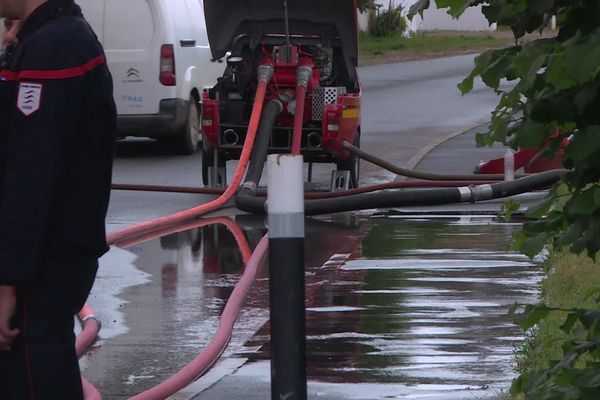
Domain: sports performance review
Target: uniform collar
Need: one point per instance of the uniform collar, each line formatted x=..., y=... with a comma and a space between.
x=50, y=9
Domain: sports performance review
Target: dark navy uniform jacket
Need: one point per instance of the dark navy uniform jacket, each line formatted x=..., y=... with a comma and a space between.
x=57, y=135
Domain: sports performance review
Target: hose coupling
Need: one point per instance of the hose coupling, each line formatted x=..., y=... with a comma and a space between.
x=303, y=75
x=251, y=186
x=264, y=73
x=85, y=320
x=482, y=192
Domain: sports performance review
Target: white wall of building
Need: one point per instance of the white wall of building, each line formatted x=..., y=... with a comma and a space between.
x=363, y=21
x=438, y=19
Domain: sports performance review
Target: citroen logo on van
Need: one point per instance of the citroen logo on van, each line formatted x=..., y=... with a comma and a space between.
x=133, y=76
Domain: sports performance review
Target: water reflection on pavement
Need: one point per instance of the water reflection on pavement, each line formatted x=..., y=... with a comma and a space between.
x=396, y=307
x=422, y=307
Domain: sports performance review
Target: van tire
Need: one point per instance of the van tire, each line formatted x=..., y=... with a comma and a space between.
x=188, y=137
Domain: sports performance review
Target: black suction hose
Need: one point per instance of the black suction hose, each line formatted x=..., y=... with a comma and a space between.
x=409, y=173
x=421, y=197
x=261, y=147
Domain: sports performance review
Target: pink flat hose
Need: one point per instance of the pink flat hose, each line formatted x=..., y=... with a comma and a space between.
x=91, y=325
x=218, y=344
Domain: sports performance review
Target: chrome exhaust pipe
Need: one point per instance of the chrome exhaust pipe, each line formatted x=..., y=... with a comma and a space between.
x=313, y=140
x=231, y=137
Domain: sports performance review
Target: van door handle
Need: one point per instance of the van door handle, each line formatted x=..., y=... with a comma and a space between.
x=187, y=43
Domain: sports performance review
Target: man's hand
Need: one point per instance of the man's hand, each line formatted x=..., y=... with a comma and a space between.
x=8, y=305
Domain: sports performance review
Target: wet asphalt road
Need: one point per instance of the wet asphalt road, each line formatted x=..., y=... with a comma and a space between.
x=402, y=306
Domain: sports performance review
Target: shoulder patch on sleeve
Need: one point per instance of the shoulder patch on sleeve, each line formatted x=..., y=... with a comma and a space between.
x=29, y=98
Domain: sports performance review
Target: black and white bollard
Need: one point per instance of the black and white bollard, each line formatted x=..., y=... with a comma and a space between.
x=285, y=204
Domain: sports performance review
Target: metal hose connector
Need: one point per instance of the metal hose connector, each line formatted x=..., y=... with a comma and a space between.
x=264, y=73
x=91, y=318
x=303, y=75
x=250, y=186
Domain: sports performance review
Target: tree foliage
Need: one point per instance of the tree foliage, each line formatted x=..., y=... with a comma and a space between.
x=546, y=86
x=389, y=22
x=366, y=5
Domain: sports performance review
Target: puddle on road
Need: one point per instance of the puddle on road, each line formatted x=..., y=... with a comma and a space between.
x=161, y=300
x=416, y=309
x=420, y=312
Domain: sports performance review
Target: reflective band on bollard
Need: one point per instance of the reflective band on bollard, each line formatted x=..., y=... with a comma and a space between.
x=286, y=276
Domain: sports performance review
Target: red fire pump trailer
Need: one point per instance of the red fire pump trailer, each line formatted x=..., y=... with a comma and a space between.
x=312, y=47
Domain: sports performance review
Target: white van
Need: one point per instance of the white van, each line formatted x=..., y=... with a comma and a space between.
x=158, y=54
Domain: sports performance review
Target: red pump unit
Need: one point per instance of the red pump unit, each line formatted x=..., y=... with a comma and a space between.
x=314, y=57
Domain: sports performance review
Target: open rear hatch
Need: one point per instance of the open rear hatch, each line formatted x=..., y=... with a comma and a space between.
x=331, y=22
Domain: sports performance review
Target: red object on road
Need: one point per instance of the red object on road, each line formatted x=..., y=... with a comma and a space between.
x=530, y=159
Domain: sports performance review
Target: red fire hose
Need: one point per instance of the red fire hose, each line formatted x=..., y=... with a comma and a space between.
x=234, y=228
x=89, y=391
x=218, y=344
x=90, y=328
x=141, y=231
x=91, y=325
x=85, y=339
x=149, y=226
x=298, y=120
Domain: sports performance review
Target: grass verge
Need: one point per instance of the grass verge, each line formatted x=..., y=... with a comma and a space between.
x=430, y=44
x=569, y=280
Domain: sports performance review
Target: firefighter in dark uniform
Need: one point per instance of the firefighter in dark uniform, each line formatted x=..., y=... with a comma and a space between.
x=57, y=136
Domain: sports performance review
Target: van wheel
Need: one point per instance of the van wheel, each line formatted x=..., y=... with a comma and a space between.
x=189, y=136
x=352, y=164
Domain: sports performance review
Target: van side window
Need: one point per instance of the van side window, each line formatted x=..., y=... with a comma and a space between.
x=121, y=33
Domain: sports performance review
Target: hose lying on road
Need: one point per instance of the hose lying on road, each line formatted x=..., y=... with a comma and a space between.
x=307, y=195
x=89, y=333
x=89, y=391
x=217, y=345
x=265, y=73
x=233, y=227
x=418, y=197
x=91, y=325
x=90, y=328
x=166, y=188
x=409, y=173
